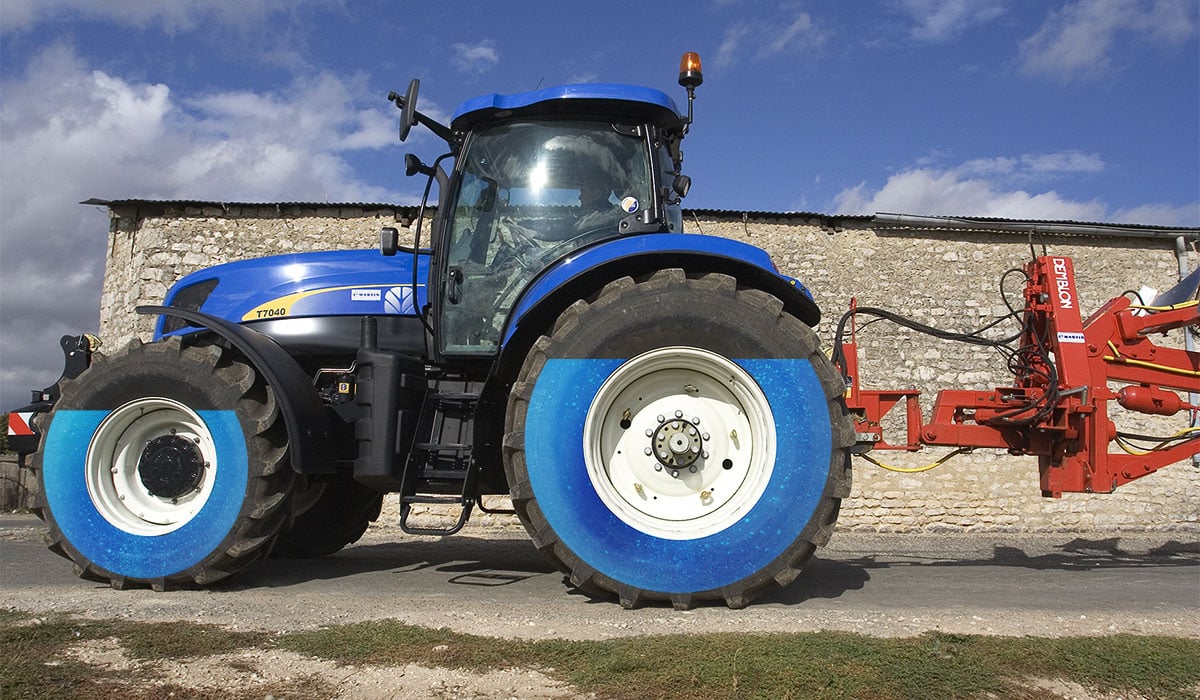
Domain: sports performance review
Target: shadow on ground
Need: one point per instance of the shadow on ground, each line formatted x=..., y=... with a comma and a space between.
x=492, y=563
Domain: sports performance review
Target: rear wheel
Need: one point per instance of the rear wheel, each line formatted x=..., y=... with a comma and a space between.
x=678, y=438
x=328, y=516
x=164, y=465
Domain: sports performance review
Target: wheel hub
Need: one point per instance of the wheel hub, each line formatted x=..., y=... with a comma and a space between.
x=170, y=466
x=677, y=443
x=151, y=466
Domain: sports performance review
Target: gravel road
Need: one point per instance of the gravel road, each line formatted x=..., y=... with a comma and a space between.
x=492, y=582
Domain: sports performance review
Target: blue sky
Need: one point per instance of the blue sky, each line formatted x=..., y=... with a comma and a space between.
x=1080, y=110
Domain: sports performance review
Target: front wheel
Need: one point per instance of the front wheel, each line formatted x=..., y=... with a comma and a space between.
x=164, y=465
x=678, y=438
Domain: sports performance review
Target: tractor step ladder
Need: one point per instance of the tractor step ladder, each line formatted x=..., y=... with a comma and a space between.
x=441, y=471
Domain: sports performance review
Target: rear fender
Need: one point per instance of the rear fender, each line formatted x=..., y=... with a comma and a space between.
x=308, y=427
x=584, y=272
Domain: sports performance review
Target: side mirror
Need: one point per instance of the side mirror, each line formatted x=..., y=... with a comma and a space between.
x=389, y=241
x=408, y=115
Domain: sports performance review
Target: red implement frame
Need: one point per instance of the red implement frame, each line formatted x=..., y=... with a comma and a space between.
x=1058, y=406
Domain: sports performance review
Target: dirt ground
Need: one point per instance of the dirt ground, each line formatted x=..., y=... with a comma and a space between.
x=490, y=582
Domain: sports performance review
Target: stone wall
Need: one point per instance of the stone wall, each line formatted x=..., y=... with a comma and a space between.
x=154, y=244
x=944, y=278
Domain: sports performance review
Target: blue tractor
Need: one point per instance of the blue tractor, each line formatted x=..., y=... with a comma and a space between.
x=656, y=404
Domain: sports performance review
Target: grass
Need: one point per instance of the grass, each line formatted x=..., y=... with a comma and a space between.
x=34, y=662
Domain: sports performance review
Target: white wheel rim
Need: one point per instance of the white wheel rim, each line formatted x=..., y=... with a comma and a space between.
x=119, y=464
x=679, y=443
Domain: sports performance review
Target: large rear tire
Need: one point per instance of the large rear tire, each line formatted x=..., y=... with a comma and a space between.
x=164, y=465
x=328, y=516
x=678, y=438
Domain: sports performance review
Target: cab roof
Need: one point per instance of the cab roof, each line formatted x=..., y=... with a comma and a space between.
x=609, y=100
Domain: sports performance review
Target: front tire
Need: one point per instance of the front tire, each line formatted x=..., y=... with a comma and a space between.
x=164, y=465
x=678, y=438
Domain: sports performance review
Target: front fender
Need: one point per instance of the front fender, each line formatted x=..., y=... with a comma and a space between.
x=308, y=428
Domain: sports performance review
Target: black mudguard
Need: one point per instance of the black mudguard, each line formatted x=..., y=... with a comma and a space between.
x=309, y=432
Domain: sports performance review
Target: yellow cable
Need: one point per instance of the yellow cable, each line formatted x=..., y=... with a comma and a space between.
x=1152, y=365
x=1160, y=446
x=1184, y=305
x=915, y=470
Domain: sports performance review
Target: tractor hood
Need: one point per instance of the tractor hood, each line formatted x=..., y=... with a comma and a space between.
x=328, y=283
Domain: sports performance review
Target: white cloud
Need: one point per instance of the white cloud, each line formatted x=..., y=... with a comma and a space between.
x=731, y=45
x=1079, y=40
x=69, y=133
x=787, y=35
x=1063, y=162
x=475, y=58
x=1003, y=187
x=801, y=33
x=941, y=20
x=170, y=15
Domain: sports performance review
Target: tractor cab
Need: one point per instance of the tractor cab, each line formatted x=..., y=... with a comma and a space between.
x=536, y=177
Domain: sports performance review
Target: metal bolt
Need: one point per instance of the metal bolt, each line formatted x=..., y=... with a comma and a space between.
x=649, y=432
x=658, y=467
x=705, y=436
x=679, y=414
x=649, y=451
x=661, y=419
x=674, y=474
x=638, y=487
x=692, y=469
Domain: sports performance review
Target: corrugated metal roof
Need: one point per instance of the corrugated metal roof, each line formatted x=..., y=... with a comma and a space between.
x=225, y=205
x=1026, y=226
x=882, y=220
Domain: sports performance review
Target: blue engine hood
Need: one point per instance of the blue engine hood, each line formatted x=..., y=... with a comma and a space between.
x=327, y=283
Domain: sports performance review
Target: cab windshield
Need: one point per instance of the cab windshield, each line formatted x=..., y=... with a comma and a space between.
x=529, y=193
